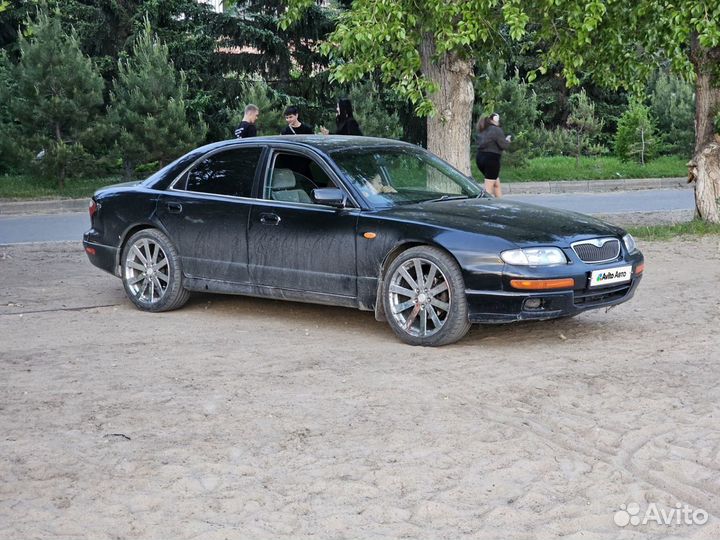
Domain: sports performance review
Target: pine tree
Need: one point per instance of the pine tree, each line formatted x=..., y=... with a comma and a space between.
x=58, y=95
x=148, y=109
x=582, y=122
x=9, y=129
x=635, y=138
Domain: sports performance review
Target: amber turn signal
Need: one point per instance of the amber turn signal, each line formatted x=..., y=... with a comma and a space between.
x=542, y=284
x=639, y=269
x=369, y=235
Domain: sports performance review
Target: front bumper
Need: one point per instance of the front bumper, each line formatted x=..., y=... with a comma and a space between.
x=490, y=307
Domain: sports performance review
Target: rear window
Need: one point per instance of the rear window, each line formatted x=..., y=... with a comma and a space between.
x=228, y=172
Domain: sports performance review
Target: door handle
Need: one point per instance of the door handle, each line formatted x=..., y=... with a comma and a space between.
x=173, y=207
x=269, y=219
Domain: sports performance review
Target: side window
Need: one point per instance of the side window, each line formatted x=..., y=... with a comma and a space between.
x=293, y=179
x=230, y=172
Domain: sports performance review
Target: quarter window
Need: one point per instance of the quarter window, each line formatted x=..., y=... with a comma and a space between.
x=230, y=172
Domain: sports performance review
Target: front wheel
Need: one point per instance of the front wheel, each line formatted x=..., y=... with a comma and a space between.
x=424, y=296
x=151, y=272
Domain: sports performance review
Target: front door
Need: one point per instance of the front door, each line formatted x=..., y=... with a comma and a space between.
x=206, y=214
x=294, y=243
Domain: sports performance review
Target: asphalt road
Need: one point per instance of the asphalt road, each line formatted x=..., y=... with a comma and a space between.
x=649, y=200
x=70, y=226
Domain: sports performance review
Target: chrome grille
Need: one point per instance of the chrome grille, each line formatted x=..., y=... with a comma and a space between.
x=597, y=250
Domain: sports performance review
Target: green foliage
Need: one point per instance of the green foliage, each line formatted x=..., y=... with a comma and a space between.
x=716, y=122
x=672, y=104
x=387, y=37
x=11, y=153
x=516, y=103
x=148, y=112
x=583, y=123
x=374, y=119
x=636, y=135
x=58, y=94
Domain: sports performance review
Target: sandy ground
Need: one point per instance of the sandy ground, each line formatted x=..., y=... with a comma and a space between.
x=238, y=418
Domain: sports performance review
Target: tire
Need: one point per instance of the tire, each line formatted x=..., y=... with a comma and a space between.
x=432, y=313
x=151, y=272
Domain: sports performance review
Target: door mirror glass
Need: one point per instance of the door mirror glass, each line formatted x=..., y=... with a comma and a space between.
x=330, y=197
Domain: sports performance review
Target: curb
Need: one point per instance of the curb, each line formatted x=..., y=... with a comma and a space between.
x=58, y=206
x=51, y=206
x=593, y=186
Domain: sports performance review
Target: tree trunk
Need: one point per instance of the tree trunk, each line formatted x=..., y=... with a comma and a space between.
x=705, y=169
x=705, y=165
x=449, y=131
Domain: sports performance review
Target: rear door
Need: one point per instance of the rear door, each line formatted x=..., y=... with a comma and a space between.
x=206, y=212
x=294, y=243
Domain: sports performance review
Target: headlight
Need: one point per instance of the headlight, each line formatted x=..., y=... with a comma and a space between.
x=630, y=243
x=543, y=256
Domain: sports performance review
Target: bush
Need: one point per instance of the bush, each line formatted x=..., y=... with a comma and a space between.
x=636, y=135
x=553, y=142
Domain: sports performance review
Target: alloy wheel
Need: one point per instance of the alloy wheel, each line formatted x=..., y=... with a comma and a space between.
x=419, y=297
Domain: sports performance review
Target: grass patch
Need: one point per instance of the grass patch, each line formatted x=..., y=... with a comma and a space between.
x=668, y=232
x=599, y=168
x=29, y=187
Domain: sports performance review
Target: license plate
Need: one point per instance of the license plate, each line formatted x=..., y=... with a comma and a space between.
x=600, y=278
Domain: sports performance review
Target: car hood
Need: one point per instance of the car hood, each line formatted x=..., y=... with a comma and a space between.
x=520, y=223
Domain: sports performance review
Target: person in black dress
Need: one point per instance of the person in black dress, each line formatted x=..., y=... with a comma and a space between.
x=346, y=123
x=295, y=126
x=492, y=141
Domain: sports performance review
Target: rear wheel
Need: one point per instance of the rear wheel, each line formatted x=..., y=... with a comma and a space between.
x=151, y=272
x=424, y=296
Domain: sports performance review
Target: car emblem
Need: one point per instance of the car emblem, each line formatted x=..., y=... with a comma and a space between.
x=598, y=242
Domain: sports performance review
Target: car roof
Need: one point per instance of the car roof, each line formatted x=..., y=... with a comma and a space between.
x=324, y=143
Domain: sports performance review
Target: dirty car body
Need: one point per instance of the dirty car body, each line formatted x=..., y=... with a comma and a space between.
x=360, y=222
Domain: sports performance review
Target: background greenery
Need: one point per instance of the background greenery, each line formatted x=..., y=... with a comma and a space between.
x=198, y=69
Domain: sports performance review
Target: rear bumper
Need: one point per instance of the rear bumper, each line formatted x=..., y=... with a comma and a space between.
x=491, y=307
x=102, y=256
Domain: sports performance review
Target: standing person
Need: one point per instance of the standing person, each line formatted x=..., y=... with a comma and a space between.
x=492, y=141
x=295, y=126
x=247, y=127
x=346, y=123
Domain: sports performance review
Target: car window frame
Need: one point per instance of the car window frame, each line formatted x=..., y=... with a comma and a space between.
x=271, y=157
x=253, y=189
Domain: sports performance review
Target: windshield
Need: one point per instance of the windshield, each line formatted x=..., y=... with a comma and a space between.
x=392, y=176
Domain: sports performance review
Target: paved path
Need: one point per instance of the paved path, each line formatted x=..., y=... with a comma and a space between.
x=614, y=206
x=43, y=228
x=656, y=200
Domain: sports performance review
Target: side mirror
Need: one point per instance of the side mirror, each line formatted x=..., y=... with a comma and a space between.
x=330, y=197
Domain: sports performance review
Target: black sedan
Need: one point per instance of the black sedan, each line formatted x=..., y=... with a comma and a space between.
x=360, y=222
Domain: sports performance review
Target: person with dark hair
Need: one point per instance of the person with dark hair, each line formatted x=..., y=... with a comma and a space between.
x=492, y=141
x=295, y=126
x=346, y=123
x=247, y=127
